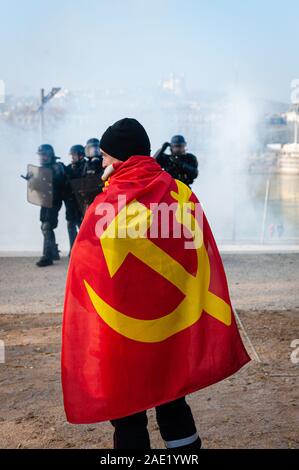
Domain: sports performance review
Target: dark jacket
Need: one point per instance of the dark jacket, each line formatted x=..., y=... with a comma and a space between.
x=181, y=167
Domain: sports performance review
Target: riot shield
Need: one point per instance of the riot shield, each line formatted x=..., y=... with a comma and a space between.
x=39, y=186
x=85, y=189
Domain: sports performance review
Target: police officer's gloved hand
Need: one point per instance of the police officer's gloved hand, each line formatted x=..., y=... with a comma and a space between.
x=174, y=161
x=165, y=145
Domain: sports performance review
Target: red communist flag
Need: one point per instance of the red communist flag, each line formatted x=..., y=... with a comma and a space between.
x=147, y=314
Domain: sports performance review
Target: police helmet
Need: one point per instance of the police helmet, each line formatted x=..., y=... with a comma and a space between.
x=46, y=154
x=178, y=140
x=92, y=148
x=77, y=150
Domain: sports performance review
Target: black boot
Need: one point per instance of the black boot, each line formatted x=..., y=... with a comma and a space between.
x=55, y=253
x=72, y=231
x=43, y=262
x=49, y=247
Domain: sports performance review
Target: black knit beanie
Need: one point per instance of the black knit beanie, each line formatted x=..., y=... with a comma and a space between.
x=125, y=138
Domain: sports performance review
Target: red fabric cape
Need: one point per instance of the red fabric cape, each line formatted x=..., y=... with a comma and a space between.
x=105, y=373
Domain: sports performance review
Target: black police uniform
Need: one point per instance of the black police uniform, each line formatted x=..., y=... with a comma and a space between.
x=181, y=167
x=92, y=169
x=93, y=166
x=49, y=216
x=73, y=213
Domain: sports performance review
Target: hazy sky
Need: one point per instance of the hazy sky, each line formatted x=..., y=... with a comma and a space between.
x=126, y=43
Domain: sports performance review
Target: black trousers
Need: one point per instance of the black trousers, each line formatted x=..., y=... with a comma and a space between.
x=176, y=425
x=74, y=219
x=49, y=220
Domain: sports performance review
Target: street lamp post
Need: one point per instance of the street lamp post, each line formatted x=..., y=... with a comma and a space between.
x=44, y=99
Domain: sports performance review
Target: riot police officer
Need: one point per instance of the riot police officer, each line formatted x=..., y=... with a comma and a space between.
x=90, y=184
x=179, y=164
x=73, y=212
x=49, y=216
x=93, y=154
x=84, y=183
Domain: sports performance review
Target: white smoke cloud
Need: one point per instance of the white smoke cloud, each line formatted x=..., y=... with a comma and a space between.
x=223, y=183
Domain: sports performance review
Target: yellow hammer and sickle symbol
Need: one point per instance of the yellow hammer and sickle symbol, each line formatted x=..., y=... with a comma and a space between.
x=195, y=288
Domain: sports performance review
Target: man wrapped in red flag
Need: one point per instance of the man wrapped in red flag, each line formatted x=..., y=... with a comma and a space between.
x=147, y=315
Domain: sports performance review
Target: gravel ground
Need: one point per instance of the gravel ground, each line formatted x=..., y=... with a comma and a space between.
x=256, y=281
x=256, y=408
